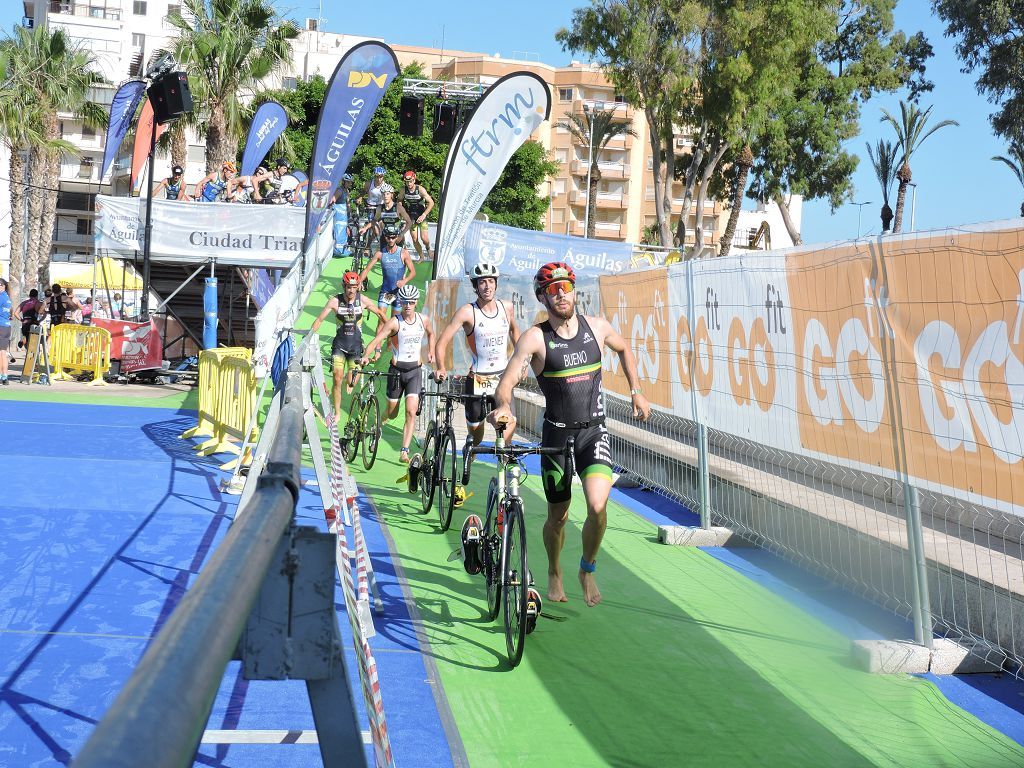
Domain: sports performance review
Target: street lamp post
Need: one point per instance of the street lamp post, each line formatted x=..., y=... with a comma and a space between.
x=860, y=209
x=590, y=161
x=913, y=206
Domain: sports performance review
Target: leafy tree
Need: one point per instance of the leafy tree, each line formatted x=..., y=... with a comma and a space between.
x=514, y=200
x=990, y=41
x=647, y=47
x=47, y=74
x=1015, y=162
x=227, y=47
x=911, y=133
x=802, y=149
x=595, y=130
x=883, y=160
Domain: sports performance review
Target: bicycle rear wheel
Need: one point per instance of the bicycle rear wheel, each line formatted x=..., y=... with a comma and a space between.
x=492, y=552
x=371, y=430
x=427, y=484
x=516, y=580
x=446, y=453
x=351, y=432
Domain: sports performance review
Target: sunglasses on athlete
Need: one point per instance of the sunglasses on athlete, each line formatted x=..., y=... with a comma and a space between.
x=565, y=286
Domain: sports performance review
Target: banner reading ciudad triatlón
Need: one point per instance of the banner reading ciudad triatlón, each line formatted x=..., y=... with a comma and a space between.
x=356, y=88
x=268, y=124
x=122, y=109
x=506, y=115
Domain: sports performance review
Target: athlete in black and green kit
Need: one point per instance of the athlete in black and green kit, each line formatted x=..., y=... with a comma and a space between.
x=565, y=353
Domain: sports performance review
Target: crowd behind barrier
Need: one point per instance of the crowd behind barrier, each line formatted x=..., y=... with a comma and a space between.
x=80, y=350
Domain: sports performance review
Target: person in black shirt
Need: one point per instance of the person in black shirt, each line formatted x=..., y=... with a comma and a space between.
x=565, y=354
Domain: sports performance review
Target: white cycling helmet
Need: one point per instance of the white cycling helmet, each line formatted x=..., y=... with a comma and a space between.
x=386, y=188
x=483, y=269
x=409, y=293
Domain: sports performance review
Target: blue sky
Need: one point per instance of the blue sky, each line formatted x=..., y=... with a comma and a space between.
x=958, y=183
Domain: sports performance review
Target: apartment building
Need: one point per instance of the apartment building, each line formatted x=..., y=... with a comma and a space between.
x=122, y=35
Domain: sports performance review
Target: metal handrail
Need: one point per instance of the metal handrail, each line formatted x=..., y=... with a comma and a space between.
x=163, y=709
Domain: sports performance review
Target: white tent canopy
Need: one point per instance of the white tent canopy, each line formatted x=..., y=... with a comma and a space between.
x=268, y=236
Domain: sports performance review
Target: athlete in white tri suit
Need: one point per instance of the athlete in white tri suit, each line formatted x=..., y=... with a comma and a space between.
x=405, y=376
x=489, y=327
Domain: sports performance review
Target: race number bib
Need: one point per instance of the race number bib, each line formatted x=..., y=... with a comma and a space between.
x=484, y=385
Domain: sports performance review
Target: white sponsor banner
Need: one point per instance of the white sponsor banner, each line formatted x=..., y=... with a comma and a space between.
x=525, y=250
x=508, y=112
x=247, y=235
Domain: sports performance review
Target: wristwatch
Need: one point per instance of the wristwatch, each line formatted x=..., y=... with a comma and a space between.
x=635, y=392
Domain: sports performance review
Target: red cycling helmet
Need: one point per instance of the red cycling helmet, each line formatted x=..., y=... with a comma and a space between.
x=350, y=278
x=551, y=273
x=409, y=175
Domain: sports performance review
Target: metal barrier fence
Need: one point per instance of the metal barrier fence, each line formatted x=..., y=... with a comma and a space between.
x=227, y=399
x=81, y=350
x=858, y=410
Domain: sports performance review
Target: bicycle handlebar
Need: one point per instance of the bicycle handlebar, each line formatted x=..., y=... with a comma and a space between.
x=523, y=450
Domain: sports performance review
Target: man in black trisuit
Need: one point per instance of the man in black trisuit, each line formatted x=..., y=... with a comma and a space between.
x=565, y=353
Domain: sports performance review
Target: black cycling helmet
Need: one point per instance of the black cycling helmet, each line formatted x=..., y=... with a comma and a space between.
x=282, y=162
x=177, y=170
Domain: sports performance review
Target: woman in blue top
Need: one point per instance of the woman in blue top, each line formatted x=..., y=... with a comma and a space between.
x=5, y=330
x=397, y=268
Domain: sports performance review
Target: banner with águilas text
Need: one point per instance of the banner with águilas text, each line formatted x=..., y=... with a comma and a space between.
x=508, y=112
x=353, y=94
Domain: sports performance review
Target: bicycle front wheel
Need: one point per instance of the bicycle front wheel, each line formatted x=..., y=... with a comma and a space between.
x=371, y=431
x=351, y=432
x=517, y=577
x=492, y=552
x=446, y=479
x=427, y=484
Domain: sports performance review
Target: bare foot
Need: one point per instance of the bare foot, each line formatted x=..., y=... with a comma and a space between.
x=591, y=594
x=556, y=592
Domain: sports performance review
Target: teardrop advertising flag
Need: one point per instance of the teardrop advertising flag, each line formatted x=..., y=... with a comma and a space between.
x=268, y=124
x=143, y=139
x=122, y=109
x=508, y=112
x=353, y=94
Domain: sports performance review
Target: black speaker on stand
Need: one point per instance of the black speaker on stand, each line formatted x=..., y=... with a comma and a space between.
x=170, y=97
x=446, y=123
x=410, y=116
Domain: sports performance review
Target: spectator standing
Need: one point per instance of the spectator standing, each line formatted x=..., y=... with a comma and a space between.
x=29, y=312
x=5, y=330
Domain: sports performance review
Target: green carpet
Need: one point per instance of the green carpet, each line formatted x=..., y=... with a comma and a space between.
x=112, y=394
x=684, y=662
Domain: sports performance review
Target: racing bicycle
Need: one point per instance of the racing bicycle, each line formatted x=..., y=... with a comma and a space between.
x=498, y=545
x=363, y=425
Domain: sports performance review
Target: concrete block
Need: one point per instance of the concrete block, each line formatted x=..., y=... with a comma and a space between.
x=950, y=657
x=890, y=657
x=685, y=536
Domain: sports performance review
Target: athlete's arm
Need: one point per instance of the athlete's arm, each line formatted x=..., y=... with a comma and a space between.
x=202, y=183
x=513, y=329
x=530, y=345
x=387, y=329
x=463, y=316
x=373, y=260
x=614, y=341
x=332, y=304
x=430, y=339
x=372, y=307
x=430, y=204
x=410, y=269
x=160, y=187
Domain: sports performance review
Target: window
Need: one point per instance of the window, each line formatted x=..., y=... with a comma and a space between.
x=562, y=155
x=620, y=99
x=559, y=186
x=196, y=154
x=85, y=168
x=565, y=94
x=557, y=215
x=83, y=226
x=139, y=7
x=88, y=132
x=173, y=9
x=138, y=40
x=561, y=129
x=289, y=83
x=650, y=163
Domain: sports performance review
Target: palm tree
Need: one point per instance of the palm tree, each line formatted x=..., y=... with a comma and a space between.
x=910, y=133
x=1015, y=162
x=600, y=127
x=883, y=160
x=227, y=47
x=51, y=75
x=744, y=161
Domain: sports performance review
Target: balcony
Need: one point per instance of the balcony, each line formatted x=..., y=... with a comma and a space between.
x=609, y=171
x=613, y=201
x=109, y=10
x=609, y=231
x=67, y=236
x=619, y=109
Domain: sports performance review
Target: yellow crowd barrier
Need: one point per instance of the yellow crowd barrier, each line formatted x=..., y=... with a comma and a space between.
x=80, y=349
x=227, y=395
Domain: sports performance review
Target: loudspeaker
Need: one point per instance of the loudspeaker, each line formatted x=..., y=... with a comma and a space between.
x=410, y=116
x=170, y=97
x=446, y=125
